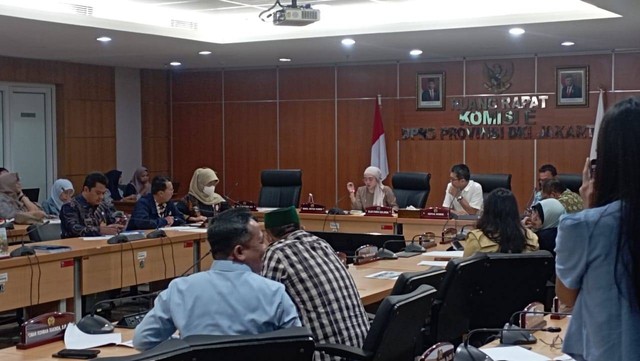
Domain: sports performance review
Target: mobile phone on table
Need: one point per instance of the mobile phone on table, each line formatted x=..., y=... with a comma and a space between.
x=77, y=354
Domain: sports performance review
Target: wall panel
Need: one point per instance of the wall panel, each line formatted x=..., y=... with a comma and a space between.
x=307, y=83
x=522, y=77
x=155, y=121
x=367, y=81
x=196, y=86
x=241, y=85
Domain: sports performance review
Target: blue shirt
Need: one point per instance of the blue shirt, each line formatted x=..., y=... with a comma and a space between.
x=606, y=322
x=229, y=299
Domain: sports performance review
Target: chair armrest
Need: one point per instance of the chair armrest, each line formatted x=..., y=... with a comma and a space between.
x=350, y=352
x=371, y=316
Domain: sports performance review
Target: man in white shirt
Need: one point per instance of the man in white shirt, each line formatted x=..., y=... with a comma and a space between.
x=463, y=196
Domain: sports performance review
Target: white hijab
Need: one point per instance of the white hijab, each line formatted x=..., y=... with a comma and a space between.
x=58, y=187
x=378, y=193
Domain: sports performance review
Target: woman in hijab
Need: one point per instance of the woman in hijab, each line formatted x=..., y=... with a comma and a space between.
x=202, y=201
x=14, y=204
x=499, y=228
x=61, y=193
x=139, y=184
x=373, y=193
x=544, y=220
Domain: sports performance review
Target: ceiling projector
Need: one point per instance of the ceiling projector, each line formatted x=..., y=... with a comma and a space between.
x=296, y=16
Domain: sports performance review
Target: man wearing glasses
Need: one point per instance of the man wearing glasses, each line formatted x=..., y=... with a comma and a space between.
x=463, y=195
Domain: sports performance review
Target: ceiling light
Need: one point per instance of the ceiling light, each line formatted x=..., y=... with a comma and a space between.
x=284, y=60
x=175, y=63
x=568, y=43
x=415, y=52
x=516, y=31
x=348, y=42
x=104, y=39
x=204, y=52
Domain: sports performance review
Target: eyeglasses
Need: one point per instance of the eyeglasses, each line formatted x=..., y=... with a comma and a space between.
x=556, y=343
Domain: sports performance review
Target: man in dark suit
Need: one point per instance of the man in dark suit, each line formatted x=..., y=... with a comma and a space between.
x=156, y=210
x=431, y=94
x=569, y=90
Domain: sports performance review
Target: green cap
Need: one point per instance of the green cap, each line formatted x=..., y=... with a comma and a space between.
x=281, y=217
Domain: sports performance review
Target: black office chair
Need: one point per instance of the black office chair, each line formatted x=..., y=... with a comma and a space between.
x=280, y=188
x=291, y=344
x=486, y=289
x=411, y=189
x=491, y=181
x=410, y=281
x=44, y=232
x=573, y=181
x=395, y=329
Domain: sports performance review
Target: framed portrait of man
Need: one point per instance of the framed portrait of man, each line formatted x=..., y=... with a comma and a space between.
x=430, y=91
x=572, y=86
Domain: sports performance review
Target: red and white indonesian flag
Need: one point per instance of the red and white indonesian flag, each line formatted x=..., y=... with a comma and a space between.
x=378, y=145
x=596, y=127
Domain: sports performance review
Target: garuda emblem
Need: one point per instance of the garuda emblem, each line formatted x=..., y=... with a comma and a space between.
x=498, y=76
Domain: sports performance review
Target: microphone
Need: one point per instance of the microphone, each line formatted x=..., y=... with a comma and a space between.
x=384, y=253
x=466, y=352
x=193, y=265
x=413, y=247
x=228, y=198
x=26, y=250
x=523, y=337
x=95, y=324
x=334, y=211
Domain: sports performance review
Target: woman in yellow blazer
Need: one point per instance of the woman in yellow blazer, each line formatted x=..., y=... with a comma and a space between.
x=499, y=228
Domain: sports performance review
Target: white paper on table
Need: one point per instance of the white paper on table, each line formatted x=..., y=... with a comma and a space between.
x=180, y=228
x=444, y=254
x=265, y=209
x=76, y=339
x=96, y=238
x=385, y=275
x=192, y=229
x=564, y=357
x=513, y=353
x=54, y=221
x=433, y=263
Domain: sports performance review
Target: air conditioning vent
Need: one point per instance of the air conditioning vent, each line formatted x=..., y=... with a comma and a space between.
x=84, y=10
x=182, y=24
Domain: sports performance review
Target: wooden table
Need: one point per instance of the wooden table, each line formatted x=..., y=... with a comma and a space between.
x=17, y=234
x=416, y=226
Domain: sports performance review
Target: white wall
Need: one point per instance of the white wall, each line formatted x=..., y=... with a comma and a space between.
x=128, y=121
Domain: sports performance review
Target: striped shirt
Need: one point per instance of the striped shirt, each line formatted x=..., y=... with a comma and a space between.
x=321, y=287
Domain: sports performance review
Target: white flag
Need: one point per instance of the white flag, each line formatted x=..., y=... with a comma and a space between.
x=596, y=127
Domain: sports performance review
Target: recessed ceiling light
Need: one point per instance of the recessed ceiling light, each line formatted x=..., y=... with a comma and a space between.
x=104, y=39
x=348, y=42
x=415, y=52
x=204, y=52
x=175, y=63
x=516, y=31
x=284, y=60
x=568, y=43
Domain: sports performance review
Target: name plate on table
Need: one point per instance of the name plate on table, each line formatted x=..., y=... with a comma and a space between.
x=378, y=211
x=247, y=204
x=409, y=213
x=435, y=213
x=44, y=329
x=312, y=208
x=366, y=254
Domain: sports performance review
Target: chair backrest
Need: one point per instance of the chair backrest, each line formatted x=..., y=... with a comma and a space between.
x=291, y=344
x=397, y=325
x=572, y=181
x=410, y=281
x=32, y=193
x=280, y=188
x=491, y=181
x=486, y=289
x=44, y=232
x=411, y=189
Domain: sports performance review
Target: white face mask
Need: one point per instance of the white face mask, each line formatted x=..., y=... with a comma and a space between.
x=209, y=190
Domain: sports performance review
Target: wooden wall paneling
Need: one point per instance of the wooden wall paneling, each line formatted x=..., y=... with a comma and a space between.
x=522, y=80
x=612, y=99
x=197, y=139
x=367, y=81
x=87, y=154
x=504, y=156
x=567, y=155
x=155, y=121
x=155, y=156
x=27, y=70
x=250, y=146
x=86, y=118
x=196, y=86
x=89, y=81
x=78, y=181
x=627, y=72
x=307, y=142
x=154, y=85
x=240, y=85
x=409, y=71
x=435, y=157
x=306, y=83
